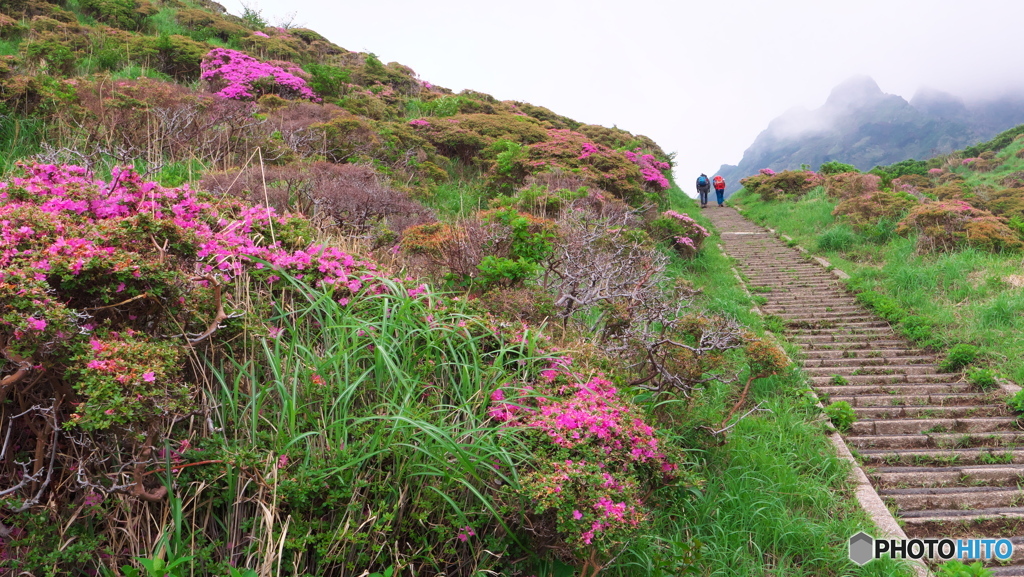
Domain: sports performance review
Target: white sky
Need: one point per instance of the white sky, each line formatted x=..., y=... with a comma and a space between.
x=700, y=77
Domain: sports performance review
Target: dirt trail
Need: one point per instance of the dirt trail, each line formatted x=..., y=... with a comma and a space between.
x=946, y=458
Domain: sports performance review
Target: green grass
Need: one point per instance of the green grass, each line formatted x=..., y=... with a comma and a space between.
x=165, y=22
x=395, y=435
x=19, y=137
x=133, y=71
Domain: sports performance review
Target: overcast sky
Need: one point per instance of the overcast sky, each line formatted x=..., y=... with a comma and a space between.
x=702, y=78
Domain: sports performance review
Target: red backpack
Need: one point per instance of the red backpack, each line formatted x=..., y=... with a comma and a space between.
x=719, y=182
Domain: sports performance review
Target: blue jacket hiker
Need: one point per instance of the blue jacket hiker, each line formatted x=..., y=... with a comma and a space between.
x=703, y=188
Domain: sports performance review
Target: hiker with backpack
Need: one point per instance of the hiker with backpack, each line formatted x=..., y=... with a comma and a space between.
x=719, y=189
x=703, y=188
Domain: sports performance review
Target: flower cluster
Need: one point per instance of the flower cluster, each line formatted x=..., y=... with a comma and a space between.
x=602, y=454
x=419, y=122
x=935, y=171
x=588, y=149
x=93, y=272
x=242, y=77
x=685, y=234
x=767, y=172
x=651, y=168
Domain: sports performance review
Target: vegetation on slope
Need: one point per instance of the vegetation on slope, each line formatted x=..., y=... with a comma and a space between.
x=338, y=320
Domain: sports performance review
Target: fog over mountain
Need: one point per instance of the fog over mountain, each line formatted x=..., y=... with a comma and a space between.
x=861, y=125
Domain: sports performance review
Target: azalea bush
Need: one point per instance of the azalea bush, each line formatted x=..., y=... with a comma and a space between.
x=848, y=184
x=681, y=231
x=866, y=210
x=238, y=76
x=599, y=166
x=947, y=225
x=105, y=287
x=777, y=185
x=595, y=460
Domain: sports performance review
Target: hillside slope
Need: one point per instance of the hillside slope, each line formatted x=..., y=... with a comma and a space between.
x=269, y=306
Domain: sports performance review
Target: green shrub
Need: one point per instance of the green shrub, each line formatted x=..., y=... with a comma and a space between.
x=1008, y=202
x=465, y=136
x=982, y=378
x=836, y=167
x=850, y=184
x=1016, y=402
x=863, y=211
x=776, y=186
x=950, y=224
x=957, y=569
x=958, y=357
x=842, y=415
x=328, y=81
x=496, y=271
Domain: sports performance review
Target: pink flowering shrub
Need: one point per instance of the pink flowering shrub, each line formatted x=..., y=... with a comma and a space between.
x=238, y=76
x=97, y=277
x=595, y=458
x=566, y=151
x=682, y=232
x=651, y=168
x=767, y=172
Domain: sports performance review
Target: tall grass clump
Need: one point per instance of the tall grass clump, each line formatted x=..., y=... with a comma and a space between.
x=838, y=238
x=371, y=417
x=20, y=137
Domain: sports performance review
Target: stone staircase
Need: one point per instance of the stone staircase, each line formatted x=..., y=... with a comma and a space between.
x=946, y=458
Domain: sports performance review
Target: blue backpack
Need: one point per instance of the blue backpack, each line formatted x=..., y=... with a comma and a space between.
x=702, y=180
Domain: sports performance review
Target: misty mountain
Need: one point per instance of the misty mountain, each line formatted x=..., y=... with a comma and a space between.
x=863, y=126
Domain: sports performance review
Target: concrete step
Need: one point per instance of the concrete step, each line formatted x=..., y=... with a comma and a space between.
x=992, y=440
x=960, y=498
x=969, y=476
x=910, y=402
x=873, y=369
x=963, y=514
x=936, y=457
x=921, y=426
x=881, y=329
x=899, y=389
x=795, y=320
x=931, y=411
x=867, y=361
x=812, y=354
x=887, y=379
x=845, y=342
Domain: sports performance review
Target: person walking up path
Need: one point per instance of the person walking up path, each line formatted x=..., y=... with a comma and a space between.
x=719, y=189
x=703, y=188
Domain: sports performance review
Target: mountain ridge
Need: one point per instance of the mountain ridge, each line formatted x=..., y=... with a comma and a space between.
x=859, y=124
